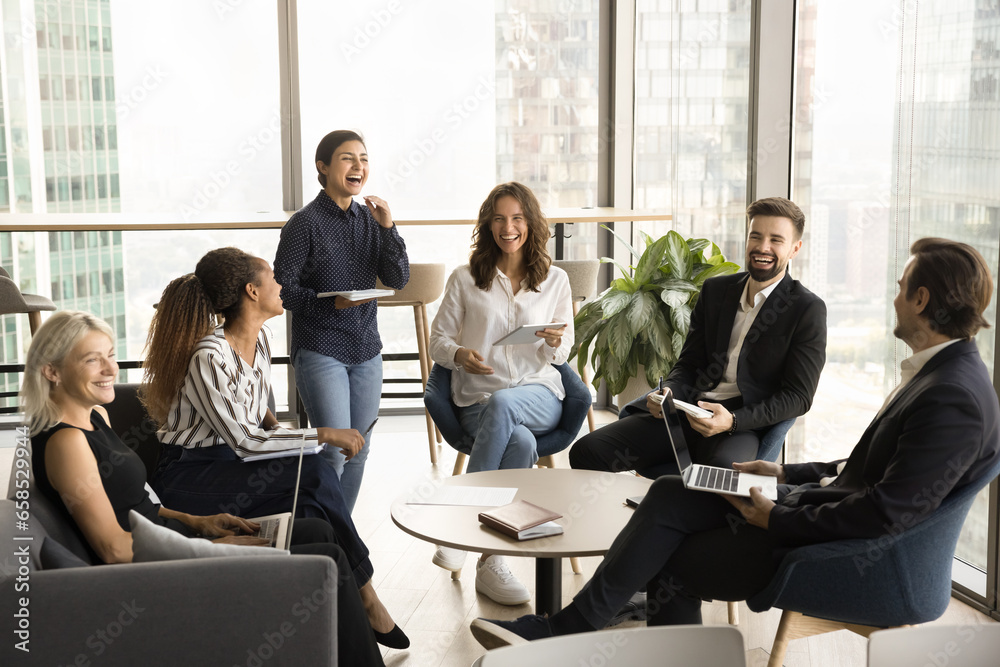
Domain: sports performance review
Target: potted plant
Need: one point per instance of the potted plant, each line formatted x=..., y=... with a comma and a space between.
x=638, y=325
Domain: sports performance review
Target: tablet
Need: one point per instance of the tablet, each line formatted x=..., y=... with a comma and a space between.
x=359, y=294
x=526, y=333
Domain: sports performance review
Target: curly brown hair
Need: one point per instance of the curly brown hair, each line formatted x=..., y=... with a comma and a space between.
x=185, y=314
x=485, y=251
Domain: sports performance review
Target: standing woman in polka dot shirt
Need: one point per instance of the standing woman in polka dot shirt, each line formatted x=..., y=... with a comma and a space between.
x=509, y=393
x=335, y=244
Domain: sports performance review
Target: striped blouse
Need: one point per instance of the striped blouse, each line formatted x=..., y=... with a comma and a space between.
x=224, y=399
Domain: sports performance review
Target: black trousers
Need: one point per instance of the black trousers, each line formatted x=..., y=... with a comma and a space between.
x=355, y=640
x=684, y=546
x=639, y=442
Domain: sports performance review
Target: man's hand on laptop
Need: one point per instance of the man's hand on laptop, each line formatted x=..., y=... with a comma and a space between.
x=220, y=525
x=720, y=421
x=756, y=510
x=768, y=468
x=348, y=440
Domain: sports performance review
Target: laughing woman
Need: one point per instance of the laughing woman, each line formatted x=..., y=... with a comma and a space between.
x=95, y=480
x=505, y=394
x=336, y=244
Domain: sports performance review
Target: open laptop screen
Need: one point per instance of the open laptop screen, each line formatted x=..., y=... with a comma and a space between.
x=676, y=434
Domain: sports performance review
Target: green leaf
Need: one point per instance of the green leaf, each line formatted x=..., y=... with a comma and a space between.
x=620, y=338
x=613, y=303
x=678, y=285
x=695, y=246
x=674, y=298
x=640, y=312
x=677, y=256
x=678, y=344
x=680, y=317
x=626, y=271
x=622, y=241
x=659, y=335
x=648, y=268
x=723, y=269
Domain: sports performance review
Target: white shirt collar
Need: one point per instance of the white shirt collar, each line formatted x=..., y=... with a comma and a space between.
x=911, y=365
x=761, y=295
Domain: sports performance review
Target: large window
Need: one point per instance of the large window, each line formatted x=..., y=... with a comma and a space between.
x=912, y=160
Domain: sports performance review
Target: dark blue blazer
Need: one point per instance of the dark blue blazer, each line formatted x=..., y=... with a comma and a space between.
x=938, y=434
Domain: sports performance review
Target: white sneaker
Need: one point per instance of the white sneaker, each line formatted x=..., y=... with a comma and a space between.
x=449, y=559
x=495, y=580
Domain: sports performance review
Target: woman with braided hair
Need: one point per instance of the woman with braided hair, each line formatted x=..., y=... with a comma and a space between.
x=206, y=386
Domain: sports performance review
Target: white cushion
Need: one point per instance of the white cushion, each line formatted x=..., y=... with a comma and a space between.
x=151, y=542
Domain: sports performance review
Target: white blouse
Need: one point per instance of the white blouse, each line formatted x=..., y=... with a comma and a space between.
x=224, y=399
x=472, y=318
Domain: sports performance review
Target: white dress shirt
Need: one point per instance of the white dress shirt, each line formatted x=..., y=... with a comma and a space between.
x=224, y=399
x=473, y=318
x=745, y=315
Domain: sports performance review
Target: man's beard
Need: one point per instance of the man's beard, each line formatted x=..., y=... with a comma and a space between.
x=763, y=274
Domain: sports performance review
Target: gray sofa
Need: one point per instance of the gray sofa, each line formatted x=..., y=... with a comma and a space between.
x=247, y=611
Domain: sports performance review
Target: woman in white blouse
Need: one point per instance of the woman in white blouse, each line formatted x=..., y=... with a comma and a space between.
x=506, y=394
x=206, y=386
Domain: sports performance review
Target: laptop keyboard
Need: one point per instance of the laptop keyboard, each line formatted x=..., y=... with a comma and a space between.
x=268, y=528
x=718, y=479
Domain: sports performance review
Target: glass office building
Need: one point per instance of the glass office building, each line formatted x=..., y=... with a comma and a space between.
x=59, y=154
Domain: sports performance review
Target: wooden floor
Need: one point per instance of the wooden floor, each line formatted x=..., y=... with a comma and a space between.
x=435, y=611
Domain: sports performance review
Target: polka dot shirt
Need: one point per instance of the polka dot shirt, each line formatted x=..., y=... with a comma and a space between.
x=324, y=249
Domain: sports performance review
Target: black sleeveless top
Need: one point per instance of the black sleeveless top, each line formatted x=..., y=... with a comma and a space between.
x=122, y=473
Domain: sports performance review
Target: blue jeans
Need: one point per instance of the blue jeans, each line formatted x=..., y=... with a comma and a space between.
x=339, y=395
x=505, y=426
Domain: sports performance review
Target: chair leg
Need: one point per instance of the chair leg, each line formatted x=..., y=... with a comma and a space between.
x=34, y=321
x=428, y=362
x=575, y=564
x=734, y=612
x=546, y=462
x=423, y=355
x=459, y=464
x=794, y=625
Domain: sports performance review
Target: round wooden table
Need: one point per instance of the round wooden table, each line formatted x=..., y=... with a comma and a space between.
x=592, y=505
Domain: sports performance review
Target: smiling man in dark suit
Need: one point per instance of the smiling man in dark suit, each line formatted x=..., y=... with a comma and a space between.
x=753, y=356
x=938, y=431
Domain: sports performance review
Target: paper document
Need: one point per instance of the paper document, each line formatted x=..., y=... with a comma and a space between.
x=480, y=496
x=264, y=456
x=359, y=294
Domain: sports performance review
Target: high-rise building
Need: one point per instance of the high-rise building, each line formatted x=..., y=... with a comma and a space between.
x=547, y=98
x=59, y=154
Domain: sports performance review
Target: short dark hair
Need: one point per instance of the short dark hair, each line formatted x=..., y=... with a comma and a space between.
x=329, y=144
x=778, y=207
x=959, y=282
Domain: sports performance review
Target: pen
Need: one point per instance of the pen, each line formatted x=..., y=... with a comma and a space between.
x=662, y=384
x=369, y=429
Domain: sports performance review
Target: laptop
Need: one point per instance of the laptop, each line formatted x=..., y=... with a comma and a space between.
x=711, y=478
x=278, y=527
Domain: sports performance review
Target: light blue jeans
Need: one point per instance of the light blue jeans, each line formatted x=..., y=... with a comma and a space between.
x=339, y=395
x=505, y=426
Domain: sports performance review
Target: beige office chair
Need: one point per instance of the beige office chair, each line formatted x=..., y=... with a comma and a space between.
x=582, y=275
x=12, y=300
x=425, y=286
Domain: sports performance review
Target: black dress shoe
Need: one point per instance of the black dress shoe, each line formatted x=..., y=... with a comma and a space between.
x=633, y=610
x=395, y=638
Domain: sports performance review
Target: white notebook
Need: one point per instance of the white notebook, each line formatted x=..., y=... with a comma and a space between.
x=359, y=294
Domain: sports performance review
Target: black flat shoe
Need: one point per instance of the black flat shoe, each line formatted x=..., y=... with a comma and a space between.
x=395, y=638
